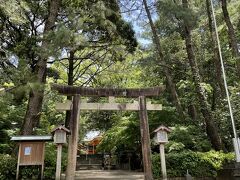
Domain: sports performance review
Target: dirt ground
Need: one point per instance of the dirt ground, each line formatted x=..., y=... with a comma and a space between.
x=108, y=175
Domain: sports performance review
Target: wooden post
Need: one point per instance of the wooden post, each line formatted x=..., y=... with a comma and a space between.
x=19, y=153
x=163, y=162
x=73, y=138
x=59, y=159
x=129, y=163
x=43, y=157
x=145, y=139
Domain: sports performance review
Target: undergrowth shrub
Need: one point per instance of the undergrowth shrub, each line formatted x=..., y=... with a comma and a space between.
x=198, y=164
x=8, y=166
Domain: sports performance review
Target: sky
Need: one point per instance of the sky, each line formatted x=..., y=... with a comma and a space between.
x=138, y=19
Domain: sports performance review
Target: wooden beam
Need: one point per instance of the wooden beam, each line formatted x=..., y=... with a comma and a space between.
x=105, y=92
x=145, y=139
x=108, y=106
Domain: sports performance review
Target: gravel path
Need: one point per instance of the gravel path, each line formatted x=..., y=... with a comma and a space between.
x=108, y=175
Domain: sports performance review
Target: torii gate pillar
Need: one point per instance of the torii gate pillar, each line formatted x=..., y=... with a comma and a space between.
x=145, y=139
x=73, y=138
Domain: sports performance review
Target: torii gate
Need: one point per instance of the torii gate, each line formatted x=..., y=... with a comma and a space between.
x=76, y=105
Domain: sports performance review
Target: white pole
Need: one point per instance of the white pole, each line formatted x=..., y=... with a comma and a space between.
x=235, y=139
x=59, y=158
x=163, y=162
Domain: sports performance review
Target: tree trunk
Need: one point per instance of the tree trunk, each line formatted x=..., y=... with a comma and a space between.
x=170, y=82
x=192, y=111
x=216, y=56
x=36, y=95
x=211, y=128
x=70, y=83
x=231, y=35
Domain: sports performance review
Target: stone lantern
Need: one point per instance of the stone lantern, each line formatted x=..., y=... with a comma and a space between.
x=60, y=134
x=161, y=134
x=161, y=138
x=59, y=138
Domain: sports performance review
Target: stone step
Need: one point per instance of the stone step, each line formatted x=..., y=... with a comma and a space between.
x=89, y=166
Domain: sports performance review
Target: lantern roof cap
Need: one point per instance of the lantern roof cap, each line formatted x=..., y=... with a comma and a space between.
x=162, y=128
x=61, y=127
x=31, y=138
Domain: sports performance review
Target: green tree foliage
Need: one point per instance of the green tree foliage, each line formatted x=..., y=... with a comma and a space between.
x=90, y=27
x=188, y=138
x=11, y=114
x=124, y=134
